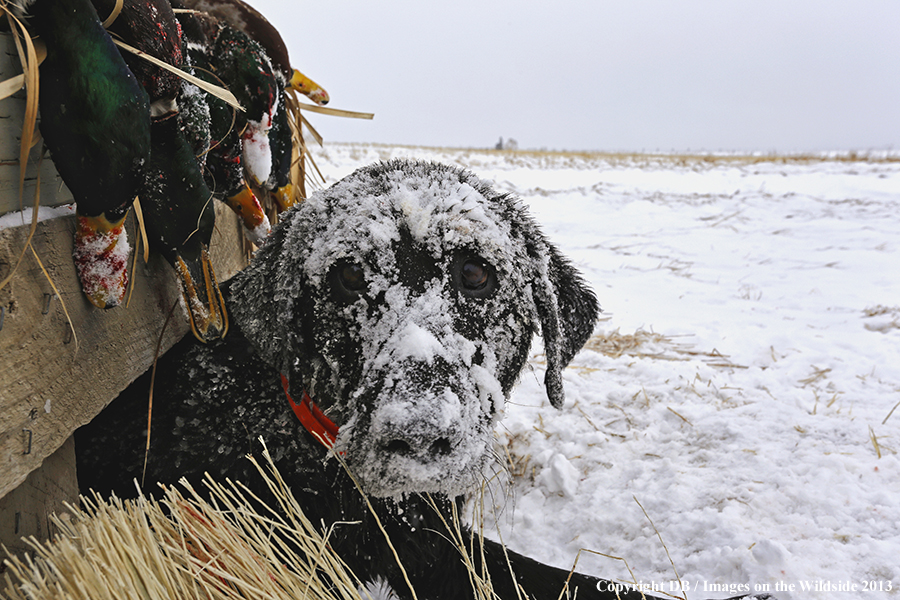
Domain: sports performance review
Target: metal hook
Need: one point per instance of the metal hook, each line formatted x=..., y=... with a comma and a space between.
x=47, y=299
x=30, y=438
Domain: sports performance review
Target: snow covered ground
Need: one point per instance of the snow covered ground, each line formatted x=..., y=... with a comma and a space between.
x=740, y=387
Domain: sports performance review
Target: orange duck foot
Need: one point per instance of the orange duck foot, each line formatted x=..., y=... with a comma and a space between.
x=202, y=298
x=101, y=259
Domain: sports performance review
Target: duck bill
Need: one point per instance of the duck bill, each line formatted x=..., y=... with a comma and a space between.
x=204, y=301
x=284, y=197
x=308, y=88
x=101, y=259
x=247, y=206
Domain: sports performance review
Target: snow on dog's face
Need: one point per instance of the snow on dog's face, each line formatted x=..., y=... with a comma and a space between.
x=404, y=300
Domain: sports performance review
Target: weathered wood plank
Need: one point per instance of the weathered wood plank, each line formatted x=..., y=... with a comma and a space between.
x=25, y=512
x=49, y=384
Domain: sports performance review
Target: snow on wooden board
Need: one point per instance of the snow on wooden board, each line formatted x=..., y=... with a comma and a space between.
x=740, y=387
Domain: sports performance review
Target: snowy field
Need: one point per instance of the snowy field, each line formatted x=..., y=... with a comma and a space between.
x=739, y=388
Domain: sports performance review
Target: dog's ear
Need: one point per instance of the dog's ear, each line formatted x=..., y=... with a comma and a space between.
x=567, y=310
x=259, y=303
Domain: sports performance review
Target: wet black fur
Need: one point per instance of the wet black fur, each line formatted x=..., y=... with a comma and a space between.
x=213, y=402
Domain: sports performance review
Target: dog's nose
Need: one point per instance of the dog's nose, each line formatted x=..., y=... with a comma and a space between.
x=415, y=446
x=411, y=434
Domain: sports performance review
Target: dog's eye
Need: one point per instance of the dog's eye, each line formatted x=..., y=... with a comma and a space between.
x=352, y=277
x=474, y=277
x=348, y=280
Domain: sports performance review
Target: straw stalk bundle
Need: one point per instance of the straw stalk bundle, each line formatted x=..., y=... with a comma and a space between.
x=185, y=545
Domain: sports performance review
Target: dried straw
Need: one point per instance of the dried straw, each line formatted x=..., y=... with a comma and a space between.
x=227, y=544
x=117, y=9
x=30, y=55
x=656, y=346
x=335, y=112
x=666, y=548
x=184, y=546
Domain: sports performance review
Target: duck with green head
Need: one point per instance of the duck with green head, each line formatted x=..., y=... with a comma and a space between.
x=95, y=120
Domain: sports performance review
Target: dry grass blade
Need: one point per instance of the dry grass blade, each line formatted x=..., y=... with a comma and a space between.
x=29, y=59
x=890, y=413
x=156, y=354
x=215, y=90
x=682, y=417
x=224, y=544
x=12, y=85
x=292, y=518
x=666, y=548
x=139, y=215
x=308, y=155
x=874, y=439
x=880, y=309
x=633, y=581
x=301, y=119
x=28, y=245
x=108, y=551
x=62, y=302
x=107, y=23
x=615, y=344
x=377, y=521
x=141, y=240
x=28, y=55
x=336, y=112
x=880, y=448
x=479, y=579
x=299, y=173
x=817, y=375
x=134, y=262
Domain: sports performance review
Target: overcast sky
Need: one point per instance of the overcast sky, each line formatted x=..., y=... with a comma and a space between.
x=782, y=75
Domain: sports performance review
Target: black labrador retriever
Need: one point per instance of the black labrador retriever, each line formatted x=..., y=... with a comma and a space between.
x=386, y=319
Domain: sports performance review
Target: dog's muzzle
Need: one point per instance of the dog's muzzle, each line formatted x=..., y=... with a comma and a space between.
x=420, y=424
x=426, y=432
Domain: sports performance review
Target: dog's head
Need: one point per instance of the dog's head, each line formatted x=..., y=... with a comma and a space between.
x=404, y=299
